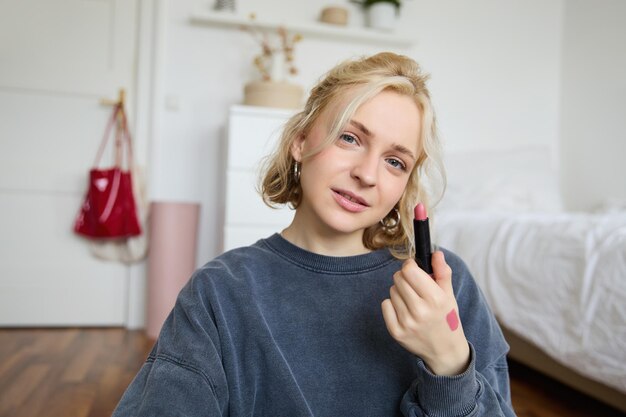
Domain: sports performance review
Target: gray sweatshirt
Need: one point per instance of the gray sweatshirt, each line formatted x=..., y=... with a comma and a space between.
x=274, y=330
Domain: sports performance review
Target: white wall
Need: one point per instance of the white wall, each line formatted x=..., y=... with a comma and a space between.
x=593, y=124
x=495, y=69
x=495, y=81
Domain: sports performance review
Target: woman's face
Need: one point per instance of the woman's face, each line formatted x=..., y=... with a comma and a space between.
x=355, y=182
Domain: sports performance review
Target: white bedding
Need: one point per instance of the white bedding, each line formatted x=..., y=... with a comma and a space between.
x=557, y=279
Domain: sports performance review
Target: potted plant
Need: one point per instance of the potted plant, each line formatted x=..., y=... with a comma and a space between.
x=380, y=14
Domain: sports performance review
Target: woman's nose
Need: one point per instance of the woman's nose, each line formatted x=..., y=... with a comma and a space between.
x=365, y=170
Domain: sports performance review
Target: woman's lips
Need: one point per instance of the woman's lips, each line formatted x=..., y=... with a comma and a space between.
x=349, y=201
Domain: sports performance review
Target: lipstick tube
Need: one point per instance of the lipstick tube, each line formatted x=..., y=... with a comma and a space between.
x=423, y=249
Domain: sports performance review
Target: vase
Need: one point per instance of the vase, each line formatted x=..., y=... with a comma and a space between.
x=382, y=16
x=280, y=94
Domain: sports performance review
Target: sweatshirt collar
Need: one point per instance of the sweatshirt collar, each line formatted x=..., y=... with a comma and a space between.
x=328, y=264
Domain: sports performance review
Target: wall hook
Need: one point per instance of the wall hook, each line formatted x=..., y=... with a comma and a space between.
x=120, y=100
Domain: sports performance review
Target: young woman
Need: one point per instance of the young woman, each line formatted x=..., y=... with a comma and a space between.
x=332, y=317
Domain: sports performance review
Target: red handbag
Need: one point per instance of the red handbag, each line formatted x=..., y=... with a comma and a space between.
x=109, y=210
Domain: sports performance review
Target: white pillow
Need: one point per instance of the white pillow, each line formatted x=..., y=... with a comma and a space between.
x=516, y=180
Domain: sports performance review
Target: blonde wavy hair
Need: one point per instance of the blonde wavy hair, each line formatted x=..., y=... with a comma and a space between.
x=362, y=79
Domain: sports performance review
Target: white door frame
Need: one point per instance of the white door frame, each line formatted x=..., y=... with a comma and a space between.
x=151, y=38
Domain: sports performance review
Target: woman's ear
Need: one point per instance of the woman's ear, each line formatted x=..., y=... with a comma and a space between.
x=297, y=147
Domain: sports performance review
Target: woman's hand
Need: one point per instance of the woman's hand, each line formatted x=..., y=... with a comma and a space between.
x=422, y=315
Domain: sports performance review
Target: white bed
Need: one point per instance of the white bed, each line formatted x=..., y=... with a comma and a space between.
x=555, y=280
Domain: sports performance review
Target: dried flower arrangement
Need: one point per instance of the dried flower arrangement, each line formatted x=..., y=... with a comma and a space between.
x=270, y=52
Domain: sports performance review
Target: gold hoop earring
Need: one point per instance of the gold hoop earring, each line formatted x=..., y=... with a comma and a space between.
x=296, y=172
x=390, y=223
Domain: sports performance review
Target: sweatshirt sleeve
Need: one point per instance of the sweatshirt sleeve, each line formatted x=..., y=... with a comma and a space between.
x=483, y=389
x=469, y=394
x=183, y=375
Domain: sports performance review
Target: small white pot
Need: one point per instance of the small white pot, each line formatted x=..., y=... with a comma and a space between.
x=381, y=16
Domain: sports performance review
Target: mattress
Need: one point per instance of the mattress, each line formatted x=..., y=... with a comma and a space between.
x=558, y=279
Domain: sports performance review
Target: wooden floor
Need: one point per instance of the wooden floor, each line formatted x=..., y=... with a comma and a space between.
x=83, y=373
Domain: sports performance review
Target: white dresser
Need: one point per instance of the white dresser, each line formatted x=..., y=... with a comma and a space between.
x=252, y=134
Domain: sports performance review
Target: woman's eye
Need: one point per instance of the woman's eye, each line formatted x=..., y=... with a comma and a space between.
x=347, y=138
x=396, y=164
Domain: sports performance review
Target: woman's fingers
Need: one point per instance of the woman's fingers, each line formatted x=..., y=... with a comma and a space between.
x=416, y=296
x=406, y=291
x=390, y=317
x=421, y=283
x=401, y=308
x=402, y=311
x=442, y=271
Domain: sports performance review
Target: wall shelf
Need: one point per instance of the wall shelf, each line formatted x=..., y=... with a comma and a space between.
x=313, y=30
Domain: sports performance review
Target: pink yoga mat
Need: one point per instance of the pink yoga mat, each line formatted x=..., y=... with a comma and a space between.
x=171, y=258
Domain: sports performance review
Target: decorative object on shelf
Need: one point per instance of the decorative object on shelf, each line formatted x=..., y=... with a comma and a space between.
x=334, y=15
x=279, y=94
x=380, y=14
x=227, y=5
x=312, y=30
x=275, y=63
